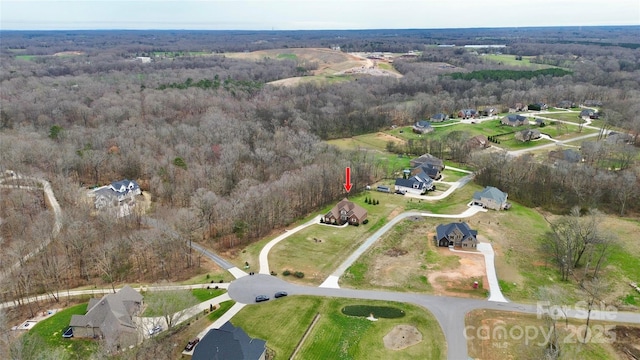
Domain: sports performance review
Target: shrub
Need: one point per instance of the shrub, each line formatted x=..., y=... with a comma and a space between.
x=365, y=222
x=286, y=273
x=298, y=274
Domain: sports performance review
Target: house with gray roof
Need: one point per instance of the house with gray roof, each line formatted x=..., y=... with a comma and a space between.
x=427, y=159
x=514, y=120
x=229, y=343
x=468, y=113
x=110, y=319
x=417, y=184
x=491, y=198
x=528, y=135
x=422, y=127
x=439, y=117
x=115, y=193
x=456, y=234
x=345, y=212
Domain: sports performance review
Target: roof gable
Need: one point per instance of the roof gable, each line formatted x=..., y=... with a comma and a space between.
x=229, y=343
x=491, y=192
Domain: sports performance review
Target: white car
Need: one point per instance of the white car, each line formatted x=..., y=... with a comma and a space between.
x=155, y=330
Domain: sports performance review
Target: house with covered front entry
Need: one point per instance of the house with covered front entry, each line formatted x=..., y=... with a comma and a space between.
x=417, y=184
x=346, y=212
x=456, y=234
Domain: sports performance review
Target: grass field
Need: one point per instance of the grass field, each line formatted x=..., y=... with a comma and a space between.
x=490, y=345
x=510, y=60
x=336, y=336
x=317, y=259
x=50, y=331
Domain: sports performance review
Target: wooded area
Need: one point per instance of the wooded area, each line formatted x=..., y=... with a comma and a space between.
x=228, y=158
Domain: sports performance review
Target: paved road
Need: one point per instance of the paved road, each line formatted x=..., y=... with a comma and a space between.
x=332, y=280
x=449, y=311
x=234, y=270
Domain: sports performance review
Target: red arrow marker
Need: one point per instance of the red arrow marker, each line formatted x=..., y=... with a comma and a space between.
x=348, y=184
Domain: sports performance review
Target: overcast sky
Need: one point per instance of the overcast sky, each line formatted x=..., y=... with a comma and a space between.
x=311, y=14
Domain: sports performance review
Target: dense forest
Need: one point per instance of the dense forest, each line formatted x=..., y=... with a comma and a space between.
x=227, y=157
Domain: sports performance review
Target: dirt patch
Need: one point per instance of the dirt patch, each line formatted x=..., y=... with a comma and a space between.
x=627, y=344
x=395, y=213
x=401, y=337
x=395, y=252
x=456, y=282
x=69, y=53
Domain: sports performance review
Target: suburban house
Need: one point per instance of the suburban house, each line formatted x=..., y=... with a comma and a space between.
x=346, y=212
x=468, y=113
x=417, y=184
x=566, y=104
x=115, y=193
x=540, y=122
x=422, y=127
x=491, y=198
x=589, y=114
x=568, y=155
x=427, y=159
x=457, y=234
x=229, y=343
x=478, y=142
x=432, y=171
x=110, y=319
x=528, y=135
x=440, y=117
x=517, y=107
x=490, y=111
x=514, y=120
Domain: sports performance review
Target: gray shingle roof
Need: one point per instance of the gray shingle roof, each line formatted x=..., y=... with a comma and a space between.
x=491, y=192
x=228, y=343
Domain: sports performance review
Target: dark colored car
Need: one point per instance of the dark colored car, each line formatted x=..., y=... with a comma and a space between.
x=261, y=298
x=68, y=333
x=280, y=294
x=191, y=344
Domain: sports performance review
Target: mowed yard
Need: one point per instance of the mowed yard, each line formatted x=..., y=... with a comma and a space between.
x=335, y=335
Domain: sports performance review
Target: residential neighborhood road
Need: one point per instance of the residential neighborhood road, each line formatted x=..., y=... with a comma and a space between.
x=450, y=312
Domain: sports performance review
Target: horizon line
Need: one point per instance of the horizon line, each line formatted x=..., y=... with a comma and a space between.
x=334, y=29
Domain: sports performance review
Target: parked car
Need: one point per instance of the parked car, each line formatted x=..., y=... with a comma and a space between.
x=261, y=298
x=191, y=344
x=68, y=333
x=155, y=330
x=280, y=294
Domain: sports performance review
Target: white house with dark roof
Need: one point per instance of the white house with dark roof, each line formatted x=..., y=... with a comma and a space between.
x=491, y=198
x=417, y=184
x=110, y=319
x=116, y=192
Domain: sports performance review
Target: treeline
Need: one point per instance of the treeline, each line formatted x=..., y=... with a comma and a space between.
x=501, y=75
x=558, y=186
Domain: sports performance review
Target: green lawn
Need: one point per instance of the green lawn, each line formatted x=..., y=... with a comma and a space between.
x=336, y=336
x=224, y=307
x=207, y=294
x=26, y=57
x=287, y=56
x=50, y=331
x=510, y=60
